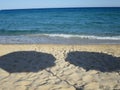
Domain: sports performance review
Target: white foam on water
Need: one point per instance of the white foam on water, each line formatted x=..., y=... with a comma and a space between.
x=80, y=36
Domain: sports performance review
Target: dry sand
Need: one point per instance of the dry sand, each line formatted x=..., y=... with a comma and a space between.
x=59, y=67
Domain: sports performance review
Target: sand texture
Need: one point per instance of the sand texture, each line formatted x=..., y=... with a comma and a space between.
x=59, y=67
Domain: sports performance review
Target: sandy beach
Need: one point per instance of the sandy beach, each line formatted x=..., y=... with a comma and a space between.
x=59, y=67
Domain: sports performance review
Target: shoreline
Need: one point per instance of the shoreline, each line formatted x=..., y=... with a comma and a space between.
x=66, y=45
x=54, y=40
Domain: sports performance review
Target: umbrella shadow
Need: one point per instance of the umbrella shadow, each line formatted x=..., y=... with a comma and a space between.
x=26, y=61
x=94, y=61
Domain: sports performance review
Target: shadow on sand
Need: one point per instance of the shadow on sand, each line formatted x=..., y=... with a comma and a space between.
x=26, y=61
x=94, y=61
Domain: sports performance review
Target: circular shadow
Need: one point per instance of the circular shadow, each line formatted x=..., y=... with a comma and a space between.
x=26, y=61
x=94, y=61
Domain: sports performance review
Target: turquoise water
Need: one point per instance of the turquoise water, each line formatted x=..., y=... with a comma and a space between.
x=90, y=23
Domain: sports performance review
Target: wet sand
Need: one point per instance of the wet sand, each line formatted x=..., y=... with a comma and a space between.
x=59, y=67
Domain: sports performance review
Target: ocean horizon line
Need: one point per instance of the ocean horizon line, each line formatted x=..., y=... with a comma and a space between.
x=54, y=8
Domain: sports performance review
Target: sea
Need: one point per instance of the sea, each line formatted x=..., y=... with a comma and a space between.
x=90, y=25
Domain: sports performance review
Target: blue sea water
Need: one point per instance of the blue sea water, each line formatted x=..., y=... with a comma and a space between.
x=87, y=23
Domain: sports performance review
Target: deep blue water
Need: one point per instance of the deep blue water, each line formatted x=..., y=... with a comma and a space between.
x=79, y=22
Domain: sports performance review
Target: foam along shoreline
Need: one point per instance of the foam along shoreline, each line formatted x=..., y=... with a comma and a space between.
x=61, y=67
x=71, y=36
x=80, y=36
x=57, y=39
